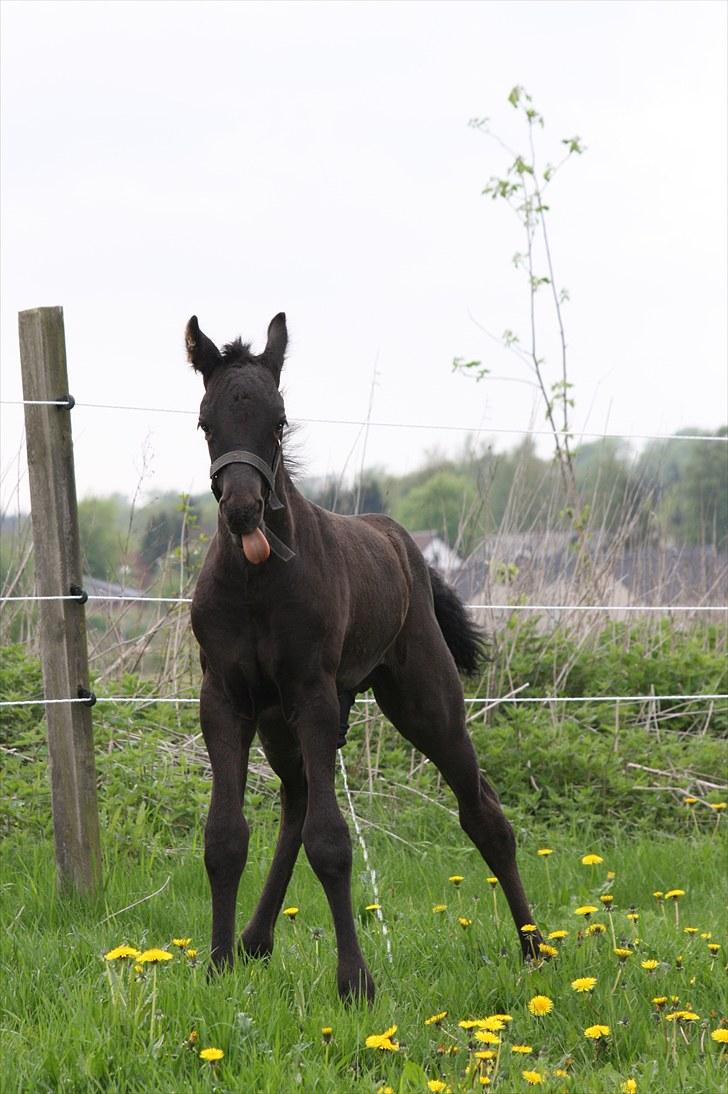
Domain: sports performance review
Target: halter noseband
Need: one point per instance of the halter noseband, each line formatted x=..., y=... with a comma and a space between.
x=240, y=455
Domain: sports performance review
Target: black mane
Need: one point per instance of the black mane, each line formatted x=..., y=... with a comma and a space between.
x=237, y=353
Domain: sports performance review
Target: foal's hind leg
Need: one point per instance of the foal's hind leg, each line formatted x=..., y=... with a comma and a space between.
x=425, y=703
x=284, y=756
x=227, y=736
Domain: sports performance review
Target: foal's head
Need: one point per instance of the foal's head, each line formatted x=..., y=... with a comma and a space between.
x=241, y=410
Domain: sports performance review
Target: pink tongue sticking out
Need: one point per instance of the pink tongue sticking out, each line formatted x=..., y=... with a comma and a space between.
x=255, y=547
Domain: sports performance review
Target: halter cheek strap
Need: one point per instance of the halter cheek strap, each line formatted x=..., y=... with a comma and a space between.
x=240, y=455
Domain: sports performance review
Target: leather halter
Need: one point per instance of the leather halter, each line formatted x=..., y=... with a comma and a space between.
x=241, y=455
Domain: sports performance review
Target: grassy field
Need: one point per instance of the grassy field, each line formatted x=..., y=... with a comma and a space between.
x=70, y=1020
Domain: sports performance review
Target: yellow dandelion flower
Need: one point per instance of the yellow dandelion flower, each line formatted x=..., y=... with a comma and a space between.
x=437, y=1086
x=503, y=1017
x=528, y=928
x=523, y=1050
x=464, y=922
x=634, y=916
x=385, y=1090
x=181, y=943
x=690, y=930
x=383, y=1041
x=714, y=947
x=596, y=928
x=607, y=899
x=493, y=1022
x=659, y=1000
x=629, y=1086
x=682, y=1016
x=561, y=1073
x=153, y=957
x=658, y=894
x=556, y=935
x=584, y=983
x=492, y=881
x=436, y=1019
x=533, y=1078
x=469, y=1023
x=650, y=964
x=706, y=934
x=211, y=1054
x=622, y=953
x=611, y=874
x=673, y=894
x=486, y=1037
x=191, y=953
x=720, y=1036
x=193, y=1037
x=546, y=950
x=718, y=806
x=291, y=913
x=456, y=879
x=439, y=908
x=484, y=1080
x=327, y=1032
x=121, y=952
x=591, y=860
x=485, y=1054
x=586, y=910
x=596, y=1033
x=373, y=907
x=544, y=851
x=540, y=1005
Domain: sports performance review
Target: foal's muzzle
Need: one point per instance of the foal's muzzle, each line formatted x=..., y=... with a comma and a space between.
x=243, y=520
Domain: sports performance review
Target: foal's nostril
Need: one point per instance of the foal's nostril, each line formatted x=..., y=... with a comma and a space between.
x=242, y=518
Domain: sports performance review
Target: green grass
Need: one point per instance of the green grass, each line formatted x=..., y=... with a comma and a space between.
x=70, y=1022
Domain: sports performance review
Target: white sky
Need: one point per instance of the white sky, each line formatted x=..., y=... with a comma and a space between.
x=237, y=159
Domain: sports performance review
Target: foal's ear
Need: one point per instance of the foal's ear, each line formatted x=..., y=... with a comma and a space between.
x=202, y=353
x=275, y=347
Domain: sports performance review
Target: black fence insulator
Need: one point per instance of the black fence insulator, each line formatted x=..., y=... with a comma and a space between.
x=68, y=402
x=89, y=696
x=80, y=593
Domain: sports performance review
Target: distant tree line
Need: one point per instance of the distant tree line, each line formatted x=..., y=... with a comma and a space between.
x=673, y=492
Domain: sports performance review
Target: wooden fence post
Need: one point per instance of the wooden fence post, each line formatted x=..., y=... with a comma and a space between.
x=62, y=622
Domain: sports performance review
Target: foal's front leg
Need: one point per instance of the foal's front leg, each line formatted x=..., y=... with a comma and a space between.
x=284, y=756
x=227, y=737
x=326, y=838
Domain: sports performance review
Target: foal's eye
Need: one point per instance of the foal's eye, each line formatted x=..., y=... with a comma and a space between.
x=204, y=427
x=281, y=426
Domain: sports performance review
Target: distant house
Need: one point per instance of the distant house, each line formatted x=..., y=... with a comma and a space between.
x=437, y=553
x=540, y=569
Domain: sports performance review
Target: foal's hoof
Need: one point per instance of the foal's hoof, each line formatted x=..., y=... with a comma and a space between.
x=356, y=986
x=255, y=946
x=219, y=965
x=531, y=947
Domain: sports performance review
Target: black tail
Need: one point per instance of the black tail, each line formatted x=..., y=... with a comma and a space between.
x=464, y=639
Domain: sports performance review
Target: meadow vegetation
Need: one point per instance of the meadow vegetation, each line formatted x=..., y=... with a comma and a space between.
x=644, y=792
